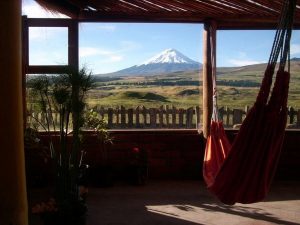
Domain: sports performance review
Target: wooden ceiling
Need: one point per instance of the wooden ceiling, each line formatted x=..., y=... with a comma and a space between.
x=229, y=14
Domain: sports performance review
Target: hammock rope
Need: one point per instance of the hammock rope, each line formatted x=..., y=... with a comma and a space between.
x=242, y=172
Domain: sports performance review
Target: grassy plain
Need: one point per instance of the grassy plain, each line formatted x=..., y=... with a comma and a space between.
x=237, y=87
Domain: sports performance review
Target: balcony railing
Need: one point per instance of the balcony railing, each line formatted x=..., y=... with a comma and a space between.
x=164, y=117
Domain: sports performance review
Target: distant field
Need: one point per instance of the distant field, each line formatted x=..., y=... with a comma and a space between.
x=237, y=87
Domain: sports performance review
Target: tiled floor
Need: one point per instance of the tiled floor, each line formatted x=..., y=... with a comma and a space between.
x=188, y=203
x=183, y=203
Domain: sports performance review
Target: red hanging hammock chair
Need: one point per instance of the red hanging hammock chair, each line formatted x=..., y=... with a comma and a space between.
x=242, y=172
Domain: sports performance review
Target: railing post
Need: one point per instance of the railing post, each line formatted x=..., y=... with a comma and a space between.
x=161, y=116
x=101, y=112
x=167, y=116
x=181, y=112
x=189, y=117
x=110, y=117
x=137, y=117
x=144, y=113
x=152, y=112
x=227, y=111
x=117, y=111
x=123, y=116
x=130, y=118
x=291, y=113
x=237, y=116
x=174, y=117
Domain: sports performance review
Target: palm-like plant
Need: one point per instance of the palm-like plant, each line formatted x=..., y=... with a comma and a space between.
x=65, y=94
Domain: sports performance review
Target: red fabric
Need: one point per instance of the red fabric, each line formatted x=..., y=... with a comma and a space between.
x=247, y=170
x=217, y=148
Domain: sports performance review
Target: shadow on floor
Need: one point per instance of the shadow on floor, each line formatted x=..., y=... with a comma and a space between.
x=182, y=203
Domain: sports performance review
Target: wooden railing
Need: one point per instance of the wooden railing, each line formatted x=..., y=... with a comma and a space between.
x=164, y=117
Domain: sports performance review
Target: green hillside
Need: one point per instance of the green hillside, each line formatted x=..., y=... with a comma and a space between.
x=237, y=87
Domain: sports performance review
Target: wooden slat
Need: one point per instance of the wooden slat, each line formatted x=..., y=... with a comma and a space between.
x=46, y=69
x=48, y=22
x=231, y=14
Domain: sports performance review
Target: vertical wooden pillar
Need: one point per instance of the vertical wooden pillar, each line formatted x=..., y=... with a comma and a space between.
x=13, y=201
x=73, y=43
x=25, y=62
x=208, y=66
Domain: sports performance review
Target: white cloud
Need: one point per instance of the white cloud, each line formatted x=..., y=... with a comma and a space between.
x=107, y=27
x=48, y=58
x=90, y=51
x=114, y=58
x=46, y=33
x=34, y=10
x=106, y=55
x=295, y=49
x=128, y=46
x=242, y=59
x=243, y=62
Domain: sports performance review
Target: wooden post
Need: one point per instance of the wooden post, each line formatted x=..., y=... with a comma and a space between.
x=137, y=117
x=130, y=118
x=13, y=197
x=110, y=117
x=123, y=116
x=208, y=33
x=180, y=122
x=117, y=111
x=237, y=117
x=144, y=113
x=292, y=114
x=101, y=112
x=189, y=117
x=167, y=116
x=161, y=116
x=174, y=117
x=152, y=112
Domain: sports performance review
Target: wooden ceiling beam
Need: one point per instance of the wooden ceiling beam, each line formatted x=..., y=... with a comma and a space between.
x=146, y=5
x=230, y=14
x=252, y=8
x=206, y=8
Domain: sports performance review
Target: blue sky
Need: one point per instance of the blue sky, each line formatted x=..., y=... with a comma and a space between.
x=108, y=47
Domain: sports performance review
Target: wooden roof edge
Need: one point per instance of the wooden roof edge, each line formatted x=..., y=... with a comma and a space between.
x=242, y=24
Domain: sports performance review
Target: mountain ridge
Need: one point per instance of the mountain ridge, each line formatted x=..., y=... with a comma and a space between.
x=167, y=61
x=160, y=64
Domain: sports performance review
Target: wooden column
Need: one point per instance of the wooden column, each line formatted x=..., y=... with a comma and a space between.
x=208, y=46
x=13, y=201
x=25, y=62
x=73, y=43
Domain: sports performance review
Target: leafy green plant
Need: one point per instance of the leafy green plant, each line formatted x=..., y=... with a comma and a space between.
x=64, y=94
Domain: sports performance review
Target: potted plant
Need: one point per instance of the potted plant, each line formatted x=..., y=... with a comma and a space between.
x=138, y=165
x=37, y=159
x=101, y=172
x=64, y=93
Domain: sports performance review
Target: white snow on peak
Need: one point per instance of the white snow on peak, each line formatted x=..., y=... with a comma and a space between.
x=169, y=56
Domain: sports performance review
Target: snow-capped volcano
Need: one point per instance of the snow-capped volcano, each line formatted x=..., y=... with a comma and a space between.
x=170, y=56
x=168, y=61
